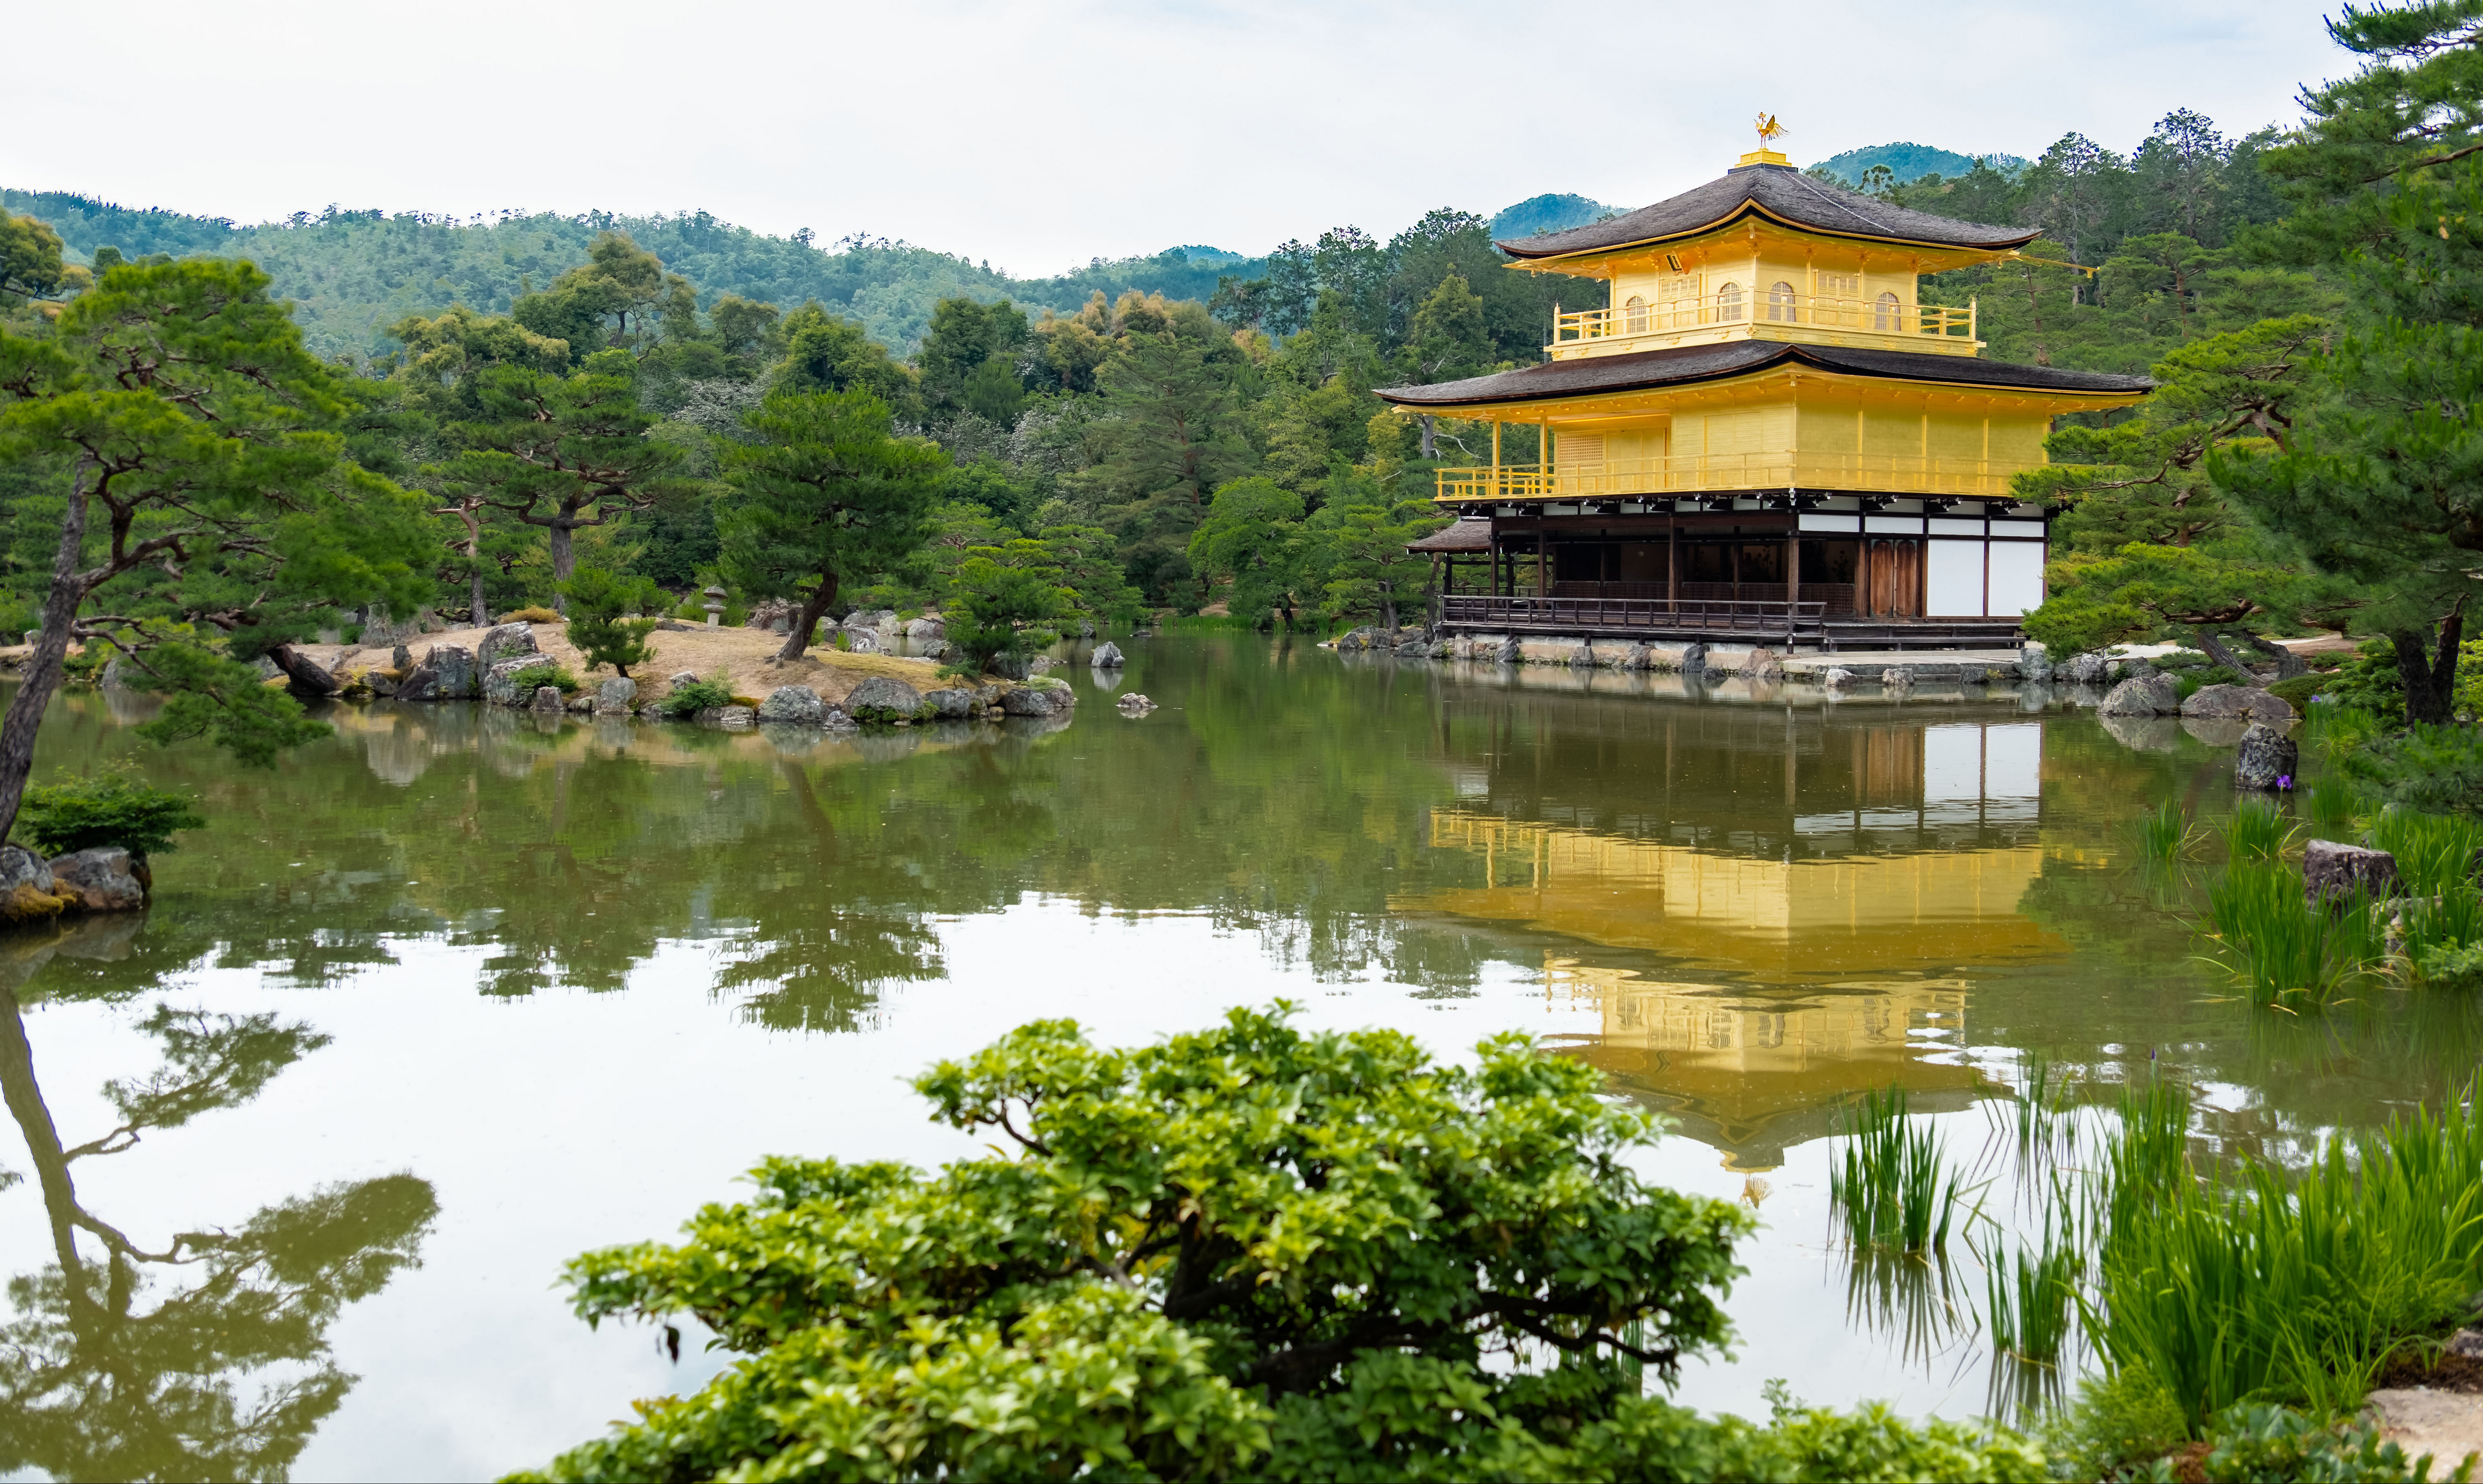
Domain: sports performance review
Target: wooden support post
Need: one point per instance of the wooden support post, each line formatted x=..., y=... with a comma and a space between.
x=1542, y=564
x=1793, y=576
x=1672, y=563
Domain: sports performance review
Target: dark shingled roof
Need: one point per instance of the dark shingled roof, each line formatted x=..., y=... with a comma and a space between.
x=1689, y=363
x=1781, y=192
x=1468, y=534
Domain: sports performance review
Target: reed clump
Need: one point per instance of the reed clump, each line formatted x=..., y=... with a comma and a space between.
x=1887, y=1183
x=2268, y=1284
x=2288, y=952
x=2166, y=835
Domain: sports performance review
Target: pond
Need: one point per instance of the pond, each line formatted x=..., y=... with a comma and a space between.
x=451, y=996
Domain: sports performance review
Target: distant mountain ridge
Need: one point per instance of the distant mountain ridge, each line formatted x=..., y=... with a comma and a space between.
x=1536, y=215
x=1910, y=162
x=352, y=274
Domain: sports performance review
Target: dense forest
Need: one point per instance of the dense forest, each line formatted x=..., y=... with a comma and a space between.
x=1172, y=432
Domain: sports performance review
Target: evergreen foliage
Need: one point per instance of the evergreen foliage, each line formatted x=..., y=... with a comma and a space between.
x=111, y=808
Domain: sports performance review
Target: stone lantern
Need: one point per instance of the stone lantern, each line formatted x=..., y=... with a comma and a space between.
x=715, y=607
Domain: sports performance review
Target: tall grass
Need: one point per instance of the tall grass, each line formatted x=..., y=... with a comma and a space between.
x=2287, y=952
x=1887, y=1185
x=2275, y=1286
x=2332, y=805
x=2166, y=835
x=2257, y=831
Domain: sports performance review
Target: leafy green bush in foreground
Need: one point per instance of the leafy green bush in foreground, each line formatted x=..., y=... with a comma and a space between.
x=1246, y=1252
x=80, y=813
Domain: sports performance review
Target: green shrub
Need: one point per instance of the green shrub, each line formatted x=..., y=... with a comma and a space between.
x=2120, y=1421
x=696, y=696
x=2430, y=769
x=2253, y=1443
x=532, y=616
x=2298, y=691
x=549, y=673
x=2369, y=681
x=80, y=813
x=84, y=663
x=1244, y=1251
x=598, y=602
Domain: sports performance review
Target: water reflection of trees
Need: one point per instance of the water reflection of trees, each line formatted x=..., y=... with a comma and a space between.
x=205, y=1354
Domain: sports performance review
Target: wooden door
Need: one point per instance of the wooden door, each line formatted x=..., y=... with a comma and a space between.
x=1896, y=579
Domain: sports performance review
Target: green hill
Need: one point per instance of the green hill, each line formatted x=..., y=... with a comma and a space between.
x=1552, y=213
x=1912, y=162
x=352, y=274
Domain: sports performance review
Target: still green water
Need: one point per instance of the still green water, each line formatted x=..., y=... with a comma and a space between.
x=453, y=995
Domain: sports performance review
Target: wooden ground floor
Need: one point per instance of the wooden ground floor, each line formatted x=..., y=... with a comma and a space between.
x=1973, y=563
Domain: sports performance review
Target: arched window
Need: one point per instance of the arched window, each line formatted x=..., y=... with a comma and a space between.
x=1728, y=303
x=1888, y=313
x=1780, y=301
x=1633, y=316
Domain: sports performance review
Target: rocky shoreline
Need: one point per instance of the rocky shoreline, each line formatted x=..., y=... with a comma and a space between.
x=105, y=878
x=508, y=668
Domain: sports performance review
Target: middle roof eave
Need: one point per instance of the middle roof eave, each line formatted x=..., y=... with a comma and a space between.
x=1689, y=364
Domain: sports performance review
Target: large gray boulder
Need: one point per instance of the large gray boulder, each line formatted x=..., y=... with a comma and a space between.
x=1693, y=659
x=457, y=677
x=504, y=641
x=1107, y=656
x=500, y=685
x=1897, y=677
x=2034, y=664
x=2267, y=760
x=798, y=705
x=1509, y=653
x=949, y=704
x=2332, y=870
x=420, y=683
x=102, y=878
x=26, y=886
x=2152, y=694
x=882, y=698
x=926, y=629
x=2089, y=669
x=2235, y=702
x=1838, y=679
x=550, y=699
x=616, y=697
x=1036, y=700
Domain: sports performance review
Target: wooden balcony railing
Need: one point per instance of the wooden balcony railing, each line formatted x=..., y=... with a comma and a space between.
x=1712, y=473
x=1746, y=617
x=1682, y=319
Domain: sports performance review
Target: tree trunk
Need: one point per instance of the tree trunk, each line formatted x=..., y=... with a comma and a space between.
x=304, y=675
x=1427, y=452
x=42, y=674
x=25, y=1101
x=2430, y=680
x=2288, y=665
x=823, y=598
x=482, y=615
x=2225, y=656
x=563, y=561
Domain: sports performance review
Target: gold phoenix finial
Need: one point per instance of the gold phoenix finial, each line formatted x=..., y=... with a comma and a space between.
x=1769, y=129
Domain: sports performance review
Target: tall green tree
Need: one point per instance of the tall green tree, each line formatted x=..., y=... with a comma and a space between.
x=2147, y=545
x=204, y=491
x=2383, y=486
x=1252, y=542
x=562, y=454
x=826, y=493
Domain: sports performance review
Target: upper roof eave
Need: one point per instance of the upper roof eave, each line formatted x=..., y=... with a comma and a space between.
x=1554, y=381
x=1781, y=195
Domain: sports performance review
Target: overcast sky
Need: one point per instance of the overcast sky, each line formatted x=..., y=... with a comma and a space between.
x=1039, y=136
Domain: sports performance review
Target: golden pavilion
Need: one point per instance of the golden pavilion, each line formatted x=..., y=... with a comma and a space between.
x=1764, y=433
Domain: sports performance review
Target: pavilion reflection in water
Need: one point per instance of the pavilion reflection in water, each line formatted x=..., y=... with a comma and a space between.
x=1752, y=980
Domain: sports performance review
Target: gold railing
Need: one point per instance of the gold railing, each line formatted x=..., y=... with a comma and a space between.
x=1700, y=475
x=1762, y=310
